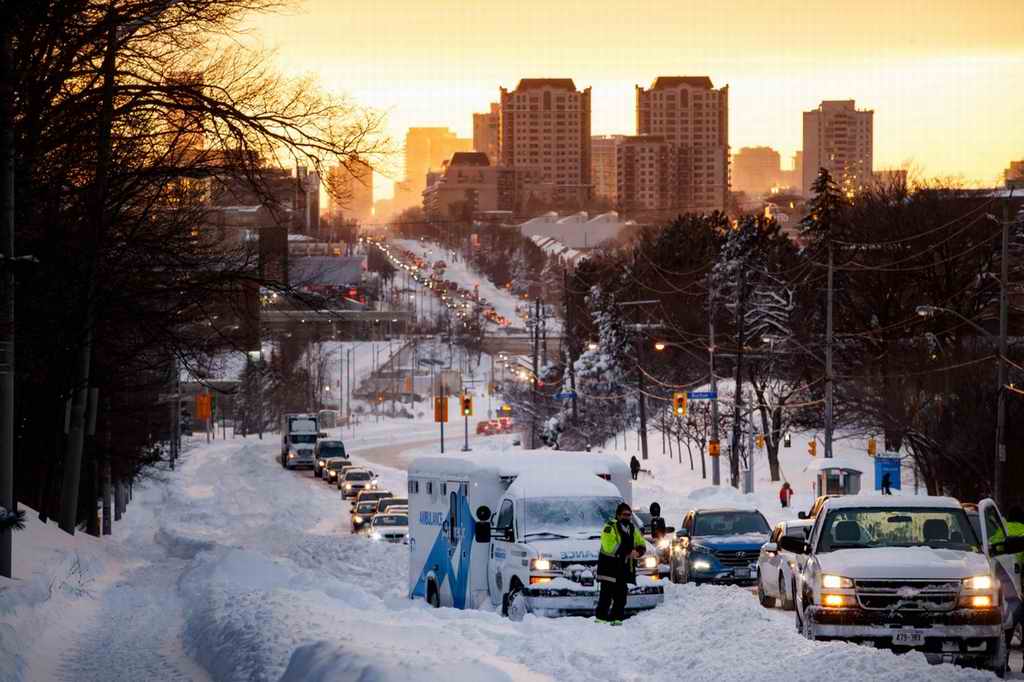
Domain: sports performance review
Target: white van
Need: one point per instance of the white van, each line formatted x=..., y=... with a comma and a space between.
x=517, y=532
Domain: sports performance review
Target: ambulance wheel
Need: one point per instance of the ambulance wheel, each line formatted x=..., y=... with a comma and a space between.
x=433, y=596
x=517, y=608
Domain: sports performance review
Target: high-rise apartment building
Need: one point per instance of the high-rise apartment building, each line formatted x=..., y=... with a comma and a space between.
x=1013, y=176
x=603, y=168
x=755, y=170
x=646, y=174
x=839, y=138
x=351, y=191
x=485, y=133
x=693, y=116
x=545, y=129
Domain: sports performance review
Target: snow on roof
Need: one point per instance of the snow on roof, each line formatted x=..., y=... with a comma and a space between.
x=609, y=217
x=580, y=217
x=891, y=502
x=556, y=480
x=834, y=463
x=516, y=464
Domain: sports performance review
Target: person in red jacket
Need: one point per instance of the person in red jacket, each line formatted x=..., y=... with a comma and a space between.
x=785, y=494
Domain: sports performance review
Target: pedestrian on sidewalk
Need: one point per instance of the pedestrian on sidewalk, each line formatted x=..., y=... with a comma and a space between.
x=634, y=466
x=621, y=545
x=886, y=484
x=785, y=495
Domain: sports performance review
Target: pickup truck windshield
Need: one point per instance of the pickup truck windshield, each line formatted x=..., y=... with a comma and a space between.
x=565, y=515
x=729, y=523
x=895, y=527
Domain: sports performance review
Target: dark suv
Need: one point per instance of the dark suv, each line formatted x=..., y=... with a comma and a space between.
x=718, y=546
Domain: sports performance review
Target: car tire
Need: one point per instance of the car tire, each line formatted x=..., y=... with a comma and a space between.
x=517, y=608
x=806, y=628
x=1000, y=661
x=762, y=596
x=785, y=600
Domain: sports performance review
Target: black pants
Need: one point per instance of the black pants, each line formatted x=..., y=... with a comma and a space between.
x=635, y=472
x=611, y=604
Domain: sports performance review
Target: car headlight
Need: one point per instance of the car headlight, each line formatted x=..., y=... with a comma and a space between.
x=357, y=519
x=320, y=463
x=375, y=535
x=291, y=455
x=835, y=582
x=701, y=565
x=650, y=562
x=664, y=543
x=835, y=601
x=541, y=565
x=978, y=582
x=348, y=486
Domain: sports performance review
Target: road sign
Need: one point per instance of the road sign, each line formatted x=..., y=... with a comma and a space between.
x=714, y=448
x=506, y=408
x=441, y=409
x=567, y=395
x=702, y=395
x=204, y=405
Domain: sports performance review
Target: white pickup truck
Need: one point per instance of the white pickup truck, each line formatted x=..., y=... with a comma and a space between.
x=909, y=573
x=536, y=552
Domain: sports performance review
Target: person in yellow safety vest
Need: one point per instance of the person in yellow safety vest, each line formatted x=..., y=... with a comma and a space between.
x=1015, y=528
x=621, y=545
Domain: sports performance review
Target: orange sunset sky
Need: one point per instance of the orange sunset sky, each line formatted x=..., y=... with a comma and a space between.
x=945, y=78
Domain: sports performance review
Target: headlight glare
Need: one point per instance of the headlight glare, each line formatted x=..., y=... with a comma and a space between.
x=978, y=582
x=357, y=519
x=835, y=582
x=664, y=543
x=542, y=564
x=650, y=562
x=833, y=600
x=701, y=565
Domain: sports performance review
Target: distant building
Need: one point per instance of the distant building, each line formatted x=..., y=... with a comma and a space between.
x=425, y=150
x=647, y=168
x=603, y=173
x=839, y=138
x=467, y=185
x=693, y=116
x=756, y=170
x=545, y=129
x=350, y=191
x=280, y=198
x=486, y=133
x=1014, y=175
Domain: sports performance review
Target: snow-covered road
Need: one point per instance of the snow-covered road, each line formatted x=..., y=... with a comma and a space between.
x=235, y=569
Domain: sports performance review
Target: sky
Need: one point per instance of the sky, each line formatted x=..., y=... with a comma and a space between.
x=945, y=78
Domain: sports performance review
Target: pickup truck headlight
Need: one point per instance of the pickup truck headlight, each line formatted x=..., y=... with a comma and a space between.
x=541, y=565
x=291, y=455
x=835, y=601
x=650, y=562
x=348, y=486
x=978, y=582
x=320, y=464
x=836, y=582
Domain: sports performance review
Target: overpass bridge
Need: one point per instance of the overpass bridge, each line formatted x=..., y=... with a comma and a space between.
x=519, y=344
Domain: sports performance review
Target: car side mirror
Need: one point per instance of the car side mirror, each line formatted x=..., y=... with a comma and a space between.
x=802, y=515
x=482, y=531
x=509, y=534
x=1014, y=545
x=794, y=545
x=483, y=512
x=682, y=533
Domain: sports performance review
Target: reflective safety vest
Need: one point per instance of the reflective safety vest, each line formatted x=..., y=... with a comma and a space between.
x=610, y=566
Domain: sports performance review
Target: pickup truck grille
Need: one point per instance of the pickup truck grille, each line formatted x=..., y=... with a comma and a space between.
x=907, y=595
x=736, y=558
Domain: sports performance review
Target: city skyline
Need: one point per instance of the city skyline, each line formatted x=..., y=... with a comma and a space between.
x=938, y=79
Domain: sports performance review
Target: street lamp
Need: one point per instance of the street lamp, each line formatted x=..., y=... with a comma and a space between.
x=659, y=345
x=929, y=311
x=592, y=345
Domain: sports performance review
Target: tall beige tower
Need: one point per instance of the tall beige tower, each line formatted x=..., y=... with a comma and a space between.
x=545, y=130
x=839, y=138
x=426, y=149
x=690, y=114
x=485, y=133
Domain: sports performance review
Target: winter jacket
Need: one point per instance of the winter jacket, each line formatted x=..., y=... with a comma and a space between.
x=657, y=527
x=1015, y=529
x=634, y=464
x=785, y=494
x=615, y=562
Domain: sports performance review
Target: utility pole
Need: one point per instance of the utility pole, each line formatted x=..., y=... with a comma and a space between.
x=567, y=333
x=536, y=346
x=716, y=471
x=7, y=316
x=1004, y=311
x=828, y=358
x=641, y=398
x=741, y=297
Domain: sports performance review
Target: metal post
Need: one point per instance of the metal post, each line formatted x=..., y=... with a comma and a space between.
x=7, y=317
x=536, y=344
x=828, y=360
x=1000, y=462
x=641, y=397
x=716, y=471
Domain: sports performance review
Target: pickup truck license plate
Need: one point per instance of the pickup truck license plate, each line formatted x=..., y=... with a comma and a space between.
x=741, y=572
x=908, y=638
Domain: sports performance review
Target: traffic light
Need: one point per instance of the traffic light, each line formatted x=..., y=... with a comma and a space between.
x=759, y=440
x=679, y=404
x=812, y=448
x=467, y=406
x=872, y=447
